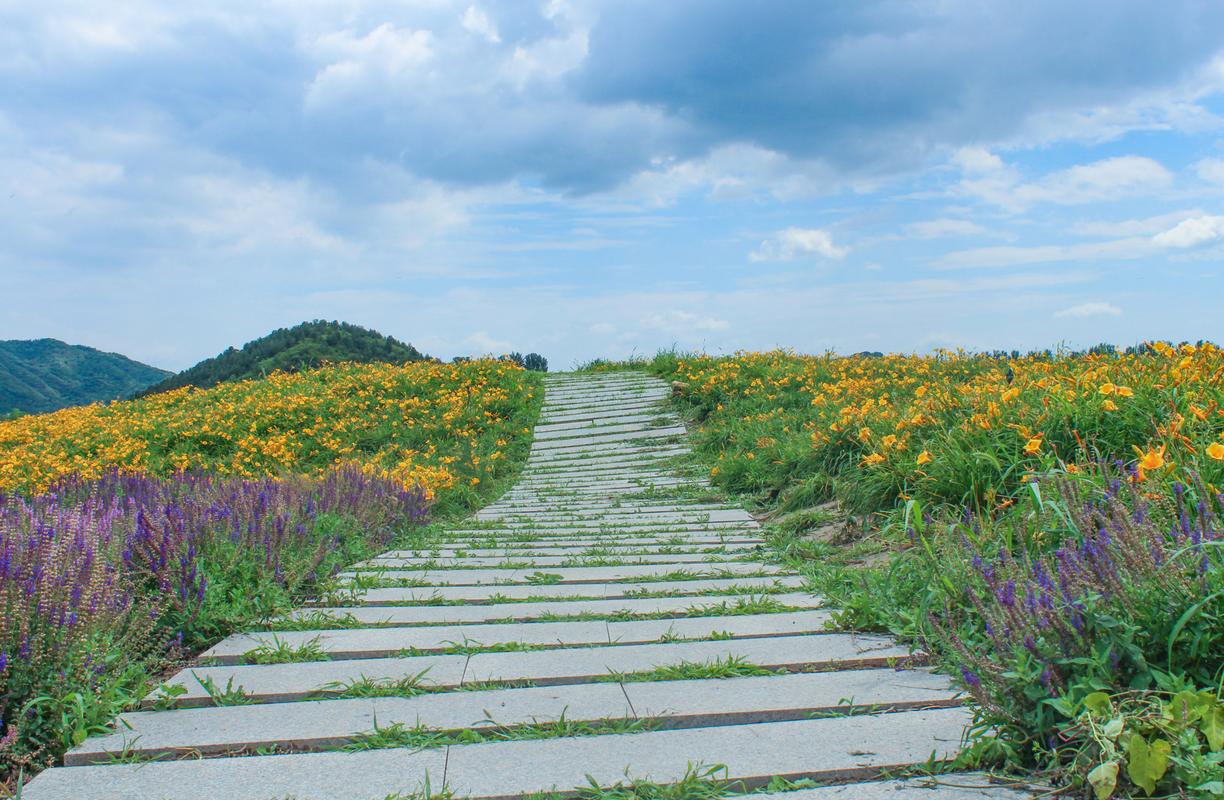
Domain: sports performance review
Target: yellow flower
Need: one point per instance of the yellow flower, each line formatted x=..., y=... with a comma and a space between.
x=864, y=434
x=889, y=440
x=1152, y=459
x=1216, y=451
x=1107, y=388
x=1125, y=391
x=924, y=458
x=1109, y=405
x=1033, y=446
x=873, y=459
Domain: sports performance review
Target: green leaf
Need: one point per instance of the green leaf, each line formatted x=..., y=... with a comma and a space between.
x=1104, y=779
x=1113, y=728
x=1183, y=708
x=1098, y=703
x=1146, y=763
x=1212, y=726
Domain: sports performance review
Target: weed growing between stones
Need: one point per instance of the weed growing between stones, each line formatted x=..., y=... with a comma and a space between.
x=399, y=734
x=729, y=667
x=281, y=652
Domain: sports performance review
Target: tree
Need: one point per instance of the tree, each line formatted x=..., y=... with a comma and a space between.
x=536, y=362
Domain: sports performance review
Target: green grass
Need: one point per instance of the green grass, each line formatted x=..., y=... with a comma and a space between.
x=281, y=652
x=729, y=667
x=401, y=735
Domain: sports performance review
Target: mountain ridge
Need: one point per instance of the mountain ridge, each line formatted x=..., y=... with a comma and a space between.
x=41, y=375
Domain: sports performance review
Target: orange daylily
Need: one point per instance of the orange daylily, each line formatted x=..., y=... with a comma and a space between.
x=925, y=457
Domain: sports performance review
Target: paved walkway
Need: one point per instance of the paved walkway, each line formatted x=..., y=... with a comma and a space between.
x=607, y=618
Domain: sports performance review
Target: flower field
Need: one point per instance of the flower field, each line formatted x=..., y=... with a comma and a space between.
x=443, y=427
x=1048, y=527
x=952, y=429
x=136, y=533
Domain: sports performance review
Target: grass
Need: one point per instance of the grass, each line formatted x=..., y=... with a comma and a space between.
x=729, y=667
x=280, y=652
x=401, y=735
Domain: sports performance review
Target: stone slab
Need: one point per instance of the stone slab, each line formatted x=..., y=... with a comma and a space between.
x=328, y=723
x=850, y=746
x=949, y=786
x=385, y=641
x=559, y=592
x=301, y=680
x=784, y=652
x=498, y=577
x=538, y=561
x=530, y=612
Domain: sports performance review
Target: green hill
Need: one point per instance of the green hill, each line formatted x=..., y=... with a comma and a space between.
x=39, y=375
x=290, y=349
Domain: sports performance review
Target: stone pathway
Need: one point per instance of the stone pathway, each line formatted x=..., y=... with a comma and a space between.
x=607, y=619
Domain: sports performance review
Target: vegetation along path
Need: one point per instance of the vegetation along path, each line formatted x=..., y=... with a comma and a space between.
x=610, y=620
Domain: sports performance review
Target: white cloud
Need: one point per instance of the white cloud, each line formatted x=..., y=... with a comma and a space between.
x=787, y=244
x=1092, y=309
x=1147, y=226
x=477, y=21
x=1210, y=170
x=1117, y=249
x=1192, y=232
x=989, y=179
x=350, y=62
x=944, y=227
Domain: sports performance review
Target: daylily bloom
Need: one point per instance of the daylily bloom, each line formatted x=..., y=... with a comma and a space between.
x=1152, y=459
x=1107, y=388
x=873, y=459
x=1216, y=451
x=1109, y=405
x=1125, y=391
x=925, y=457
x=1033, y=446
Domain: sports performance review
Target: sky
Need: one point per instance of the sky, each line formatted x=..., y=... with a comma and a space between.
x=592, y=179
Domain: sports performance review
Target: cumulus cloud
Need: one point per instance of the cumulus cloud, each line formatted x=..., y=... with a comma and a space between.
x=792, y=243
x=477, y=21
x=1193, y=232
x=1092, y=309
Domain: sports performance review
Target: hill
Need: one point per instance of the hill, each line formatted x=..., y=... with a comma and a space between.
x=40, y=375
x=293, y=349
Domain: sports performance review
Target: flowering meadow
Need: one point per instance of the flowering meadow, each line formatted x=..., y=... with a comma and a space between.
x=137, y=533
x=448, y=428
x=1047, y=526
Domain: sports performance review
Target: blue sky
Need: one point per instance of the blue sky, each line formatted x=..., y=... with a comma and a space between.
x=597, y=179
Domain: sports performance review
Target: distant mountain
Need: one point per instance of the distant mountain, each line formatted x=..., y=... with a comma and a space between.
x=290, y=349
x=39, y=375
